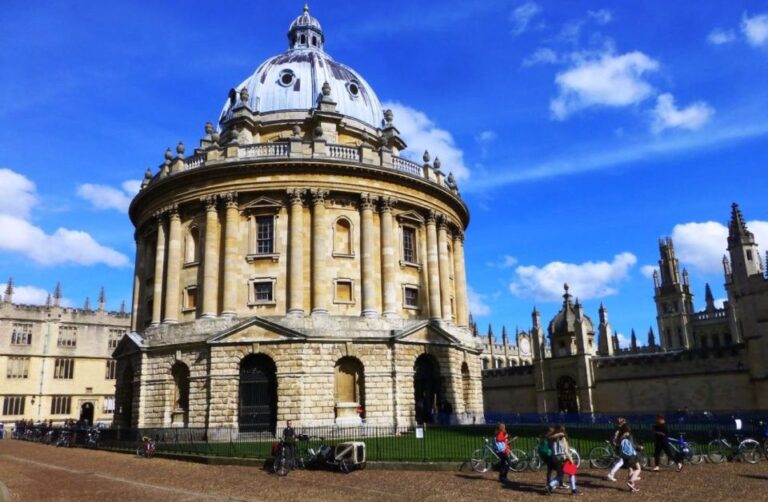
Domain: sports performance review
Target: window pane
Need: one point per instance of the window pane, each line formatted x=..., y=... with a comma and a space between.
x=264, y=234
x=263, y=291
x=409, y=244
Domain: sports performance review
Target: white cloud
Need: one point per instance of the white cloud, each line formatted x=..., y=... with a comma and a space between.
x=760, y=229
x=31, y=295
x=755, y=29
x=648, y=270
x=477, y=305
x=602, y=16
x=666, y=115
x=63, y=246
x=542, y=55
x=701, y=245
x=522, y=16
x=609, y=80
x=587, y=280
x=486, y=137
x=506, y=261
x=106, y=197
x=421, y=133
x=720, y=302
x=17, y=194
x=719, y=36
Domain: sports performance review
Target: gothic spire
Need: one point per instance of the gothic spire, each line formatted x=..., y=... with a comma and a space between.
x=634, y=340
x=57, y=295
x=9, y=291
x=710, y=299
x=651, y=337
x=102, y=298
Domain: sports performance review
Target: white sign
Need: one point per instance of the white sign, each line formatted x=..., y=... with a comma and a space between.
x=419, y=432
x=738, y=424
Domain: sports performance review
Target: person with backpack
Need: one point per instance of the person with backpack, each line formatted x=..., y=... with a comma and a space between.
x=561, y=453
x=544, y=449
x=630, y=458
x=501, y=444
x=661, y=443
x=615, y=442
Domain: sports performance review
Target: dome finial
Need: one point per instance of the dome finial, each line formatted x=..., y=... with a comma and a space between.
x=306, y=8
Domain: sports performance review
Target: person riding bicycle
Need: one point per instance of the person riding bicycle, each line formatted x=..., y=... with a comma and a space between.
x=502, y=450
x=661, y=443
x=616, y=443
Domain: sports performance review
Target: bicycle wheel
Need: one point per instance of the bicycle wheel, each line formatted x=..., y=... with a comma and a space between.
x=479, y=462
x=280, y=466
x=749, y=449
x=642, y=457
x=534, y=461
x=576, y=457
x=696, y=455
x=600, y=457
x=717, y=452
x=518, y=460
x=140, y=451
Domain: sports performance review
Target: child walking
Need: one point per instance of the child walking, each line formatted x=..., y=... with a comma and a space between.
x=565, y=464
x=629, y=456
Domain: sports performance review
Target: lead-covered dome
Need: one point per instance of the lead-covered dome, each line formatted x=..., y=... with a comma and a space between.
x=294, y=79
x=564, y=322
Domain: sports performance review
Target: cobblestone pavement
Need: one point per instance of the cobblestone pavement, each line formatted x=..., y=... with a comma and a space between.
x=34, y=472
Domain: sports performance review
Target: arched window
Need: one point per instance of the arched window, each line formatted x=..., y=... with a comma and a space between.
x=427, y=388
x=258, y=393
x=191, y=245
x=349, y=389
x=567, y=402
x=180, y=410
x=466, y=386
x=342, y=237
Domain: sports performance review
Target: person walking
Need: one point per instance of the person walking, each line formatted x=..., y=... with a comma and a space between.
x=615, y=440
x=661, y=443
x=501, y=444
x=544, y=449
x=630, y=458
x=564, y=461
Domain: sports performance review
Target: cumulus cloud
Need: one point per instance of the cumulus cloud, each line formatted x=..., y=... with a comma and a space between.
x=755, y=29
x=17, y=194
x=720, y=302
x=421, y=133
x=486, y=137
x=31, y=295
x=23, y=237
x=587, y=280
x=666, y=115
x=602, y=16
x=107, y=197
x=648, y=270
x=477, y=305
x=720, y=37
x=542, y=55
x=506, y=261
x=522, y=16
x=609, y=80
x=701, y=245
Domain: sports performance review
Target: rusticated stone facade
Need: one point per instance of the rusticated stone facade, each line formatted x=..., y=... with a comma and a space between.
x=296, y=267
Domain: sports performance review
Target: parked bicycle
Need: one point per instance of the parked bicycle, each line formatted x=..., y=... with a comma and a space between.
x=720, y=449
x=604, y=456
x=485, y=458
x=147, y=447
x=687, y=451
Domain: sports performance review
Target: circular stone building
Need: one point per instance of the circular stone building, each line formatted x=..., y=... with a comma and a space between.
x=297, y=267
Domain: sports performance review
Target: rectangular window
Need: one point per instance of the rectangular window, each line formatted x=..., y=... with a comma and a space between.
x=18, y=367
x=409, y=244
x=109, y=404
x=115, y=335
x=411, y=297
x=343, y=291
x=61, y=405
x=13, y=405
x=749, y=255
x=190, y=301
x=111, y=369
x=262, y=292
x=265, y=232
x=67, y=336
x=21, y=334
x=64, y=368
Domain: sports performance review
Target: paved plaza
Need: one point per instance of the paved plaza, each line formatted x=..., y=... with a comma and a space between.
x=34, y=472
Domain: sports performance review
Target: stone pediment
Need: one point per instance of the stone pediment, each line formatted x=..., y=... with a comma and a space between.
x=411, y=217
x=262, y=204
x=256, y=330
x=424, y=332
x=130, y=343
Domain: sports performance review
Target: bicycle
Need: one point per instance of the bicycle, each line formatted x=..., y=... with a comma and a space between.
x=483, y=459
x=605, y=456
x=283, y=462
x=147, y=447
x=720, y=449
x=687, y=451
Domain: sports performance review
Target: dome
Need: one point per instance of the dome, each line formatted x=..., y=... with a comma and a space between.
x=294, y=80
x=564, y=322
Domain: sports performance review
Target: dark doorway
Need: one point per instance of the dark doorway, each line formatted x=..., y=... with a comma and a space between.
x=567, y=401
x=126, y=397
x=426, y=387
x=258, y=393
x=86, y=414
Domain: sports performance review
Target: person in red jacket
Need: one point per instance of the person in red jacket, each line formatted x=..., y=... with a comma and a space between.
x=501, y=445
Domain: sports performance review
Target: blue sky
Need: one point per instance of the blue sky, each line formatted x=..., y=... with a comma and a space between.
x=581, y=132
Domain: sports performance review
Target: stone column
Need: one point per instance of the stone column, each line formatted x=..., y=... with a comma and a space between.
x=232, y=220
x=157, y=295
x=211, y=257
x=460, y=278
x=138, y=278
x=366, y=255
x=443, y=261
x=388, y=258
x=172, y=277
x=433, y=269
x=296, y=252
x=319, y=253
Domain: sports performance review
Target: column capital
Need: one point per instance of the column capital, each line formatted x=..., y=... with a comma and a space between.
x=367, y=201
x=442, y=221
x=230, y=199
x=433, y=217
x=318, y=196
x=458, y=235
x=296, y=195
x=387, y=204
x=173, y=212
x=210, y=202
